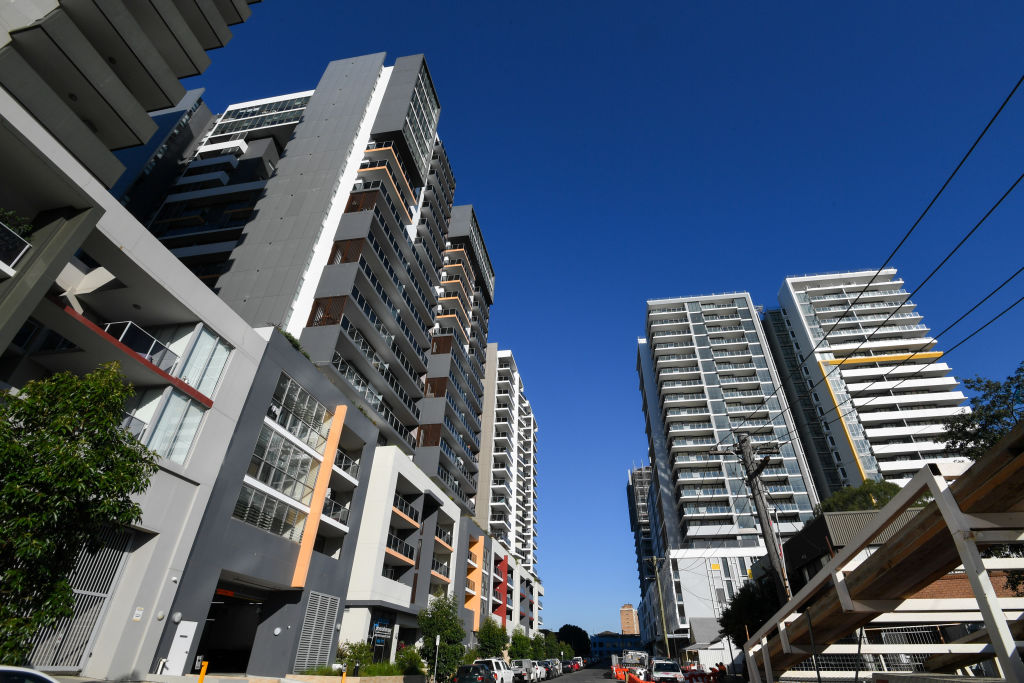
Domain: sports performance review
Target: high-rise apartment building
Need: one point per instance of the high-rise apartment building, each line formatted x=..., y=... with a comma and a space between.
x=872, y=388
x=638, y=489
x=296, y=498
x=508, y=471
x=629, y=626
x=706, y=375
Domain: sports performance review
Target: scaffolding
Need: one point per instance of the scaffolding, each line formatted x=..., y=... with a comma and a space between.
x=863, y=613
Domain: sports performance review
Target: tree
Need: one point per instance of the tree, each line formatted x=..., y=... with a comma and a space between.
x=565, y=650
x=520, y=646
x=871, y=495
x=750, y=609
x=491, y=639
x=995, y=408
x=441, y=618
x=539, y=647
x=68, y=473
x=576, y=637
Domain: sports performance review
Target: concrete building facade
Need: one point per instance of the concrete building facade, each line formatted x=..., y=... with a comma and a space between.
x=705, y=375
x=628, y=620
x=873, y=386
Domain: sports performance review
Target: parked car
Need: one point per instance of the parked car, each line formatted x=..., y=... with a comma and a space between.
x=18, y=674
x=550, y=668
x=473, y=673
x=525, y=671
x=666, y=670
x=568, y=666
x=579, y=662
x=500, y=671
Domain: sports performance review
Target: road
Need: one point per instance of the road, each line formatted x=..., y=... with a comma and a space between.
x=592, y=674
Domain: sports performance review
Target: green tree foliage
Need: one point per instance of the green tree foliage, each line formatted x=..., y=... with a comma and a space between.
x=750, y=608
x=566, y=650
x=871, y=495
x=995, y=408
x=551, y=646
x=357, y=652
x=68, y=472
x=409, y=661
x=576, y=637
x=539, y=647
x=441, y=617
x=491, y=639
x=520, y=646
x=18, y=224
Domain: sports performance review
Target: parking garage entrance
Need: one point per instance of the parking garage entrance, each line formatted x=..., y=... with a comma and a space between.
x=230, y=630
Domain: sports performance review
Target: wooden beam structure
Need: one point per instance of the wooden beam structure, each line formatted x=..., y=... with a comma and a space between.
x=982, y=506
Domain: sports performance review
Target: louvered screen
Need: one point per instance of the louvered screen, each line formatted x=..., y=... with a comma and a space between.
x=317, y=640
x=64, y=647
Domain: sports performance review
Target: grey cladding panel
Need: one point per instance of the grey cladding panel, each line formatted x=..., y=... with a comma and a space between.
x=290, y=215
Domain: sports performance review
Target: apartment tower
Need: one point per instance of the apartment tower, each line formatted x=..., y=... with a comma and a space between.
x=706, y=375
x=508, y=470
x=874, y=388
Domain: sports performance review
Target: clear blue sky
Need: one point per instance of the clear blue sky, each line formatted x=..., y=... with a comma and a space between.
x=617, y=152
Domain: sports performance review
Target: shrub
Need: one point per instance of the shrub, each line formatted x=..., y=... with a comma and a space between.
x=321, y=671
x=409, y=661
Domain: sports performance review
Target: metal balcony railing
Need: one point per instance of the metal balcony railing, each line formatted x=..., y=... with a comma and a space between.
x=142, y=343
x=134, y=425
x=12, y=246
x=335, y=511
x=439, y=567
x=400, y=546
x=444, y=534
x=406, y=507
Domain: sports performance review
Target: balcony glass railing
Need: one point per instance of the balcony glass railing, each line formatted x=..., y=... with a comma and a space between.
x=444, y=534
x=142, y=343
x=345, y=463
x=406, y=508
x=335, y=510
x=12, y=246
x=439, y=567
x=400, y=546
x=134, y=425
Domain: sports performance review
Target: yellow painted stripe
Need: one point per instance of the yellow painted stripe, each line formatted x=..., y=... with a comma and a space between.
x=316, y=504
x=842, y=421
x=883, y=359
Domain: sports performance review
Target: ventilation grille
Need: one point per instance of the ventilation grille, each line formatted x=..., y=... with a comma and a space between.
x=317, y=640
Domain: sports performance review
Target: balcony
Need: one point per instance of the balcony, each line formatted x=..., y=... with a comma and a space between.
x=402, y=549
x=471, y=586
x=406, y=508
x=134, y=425
x=440, y=568
x=142, y=343
x=347, y=464
x=336, y=511
x=445, y=536
x=12, y=248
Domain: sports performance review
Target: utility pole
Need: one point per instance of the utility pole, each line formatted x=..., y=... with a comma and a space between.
x=661, y=603
x=753, y=470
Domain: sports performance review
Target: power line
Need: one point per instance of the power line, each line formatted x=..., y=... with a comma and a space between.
x=911, y=230
x=828, y=374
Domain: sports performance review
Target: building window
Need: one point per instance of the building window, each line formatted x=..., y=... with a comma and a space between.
x=206, y=362
x=267, y=513
x=176, y=427
x=298, y=412
x=283, y=466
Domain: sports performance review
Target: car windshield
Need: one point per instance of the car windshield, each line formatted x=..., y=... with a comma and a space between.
x=669, y=667
x=518, y=662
